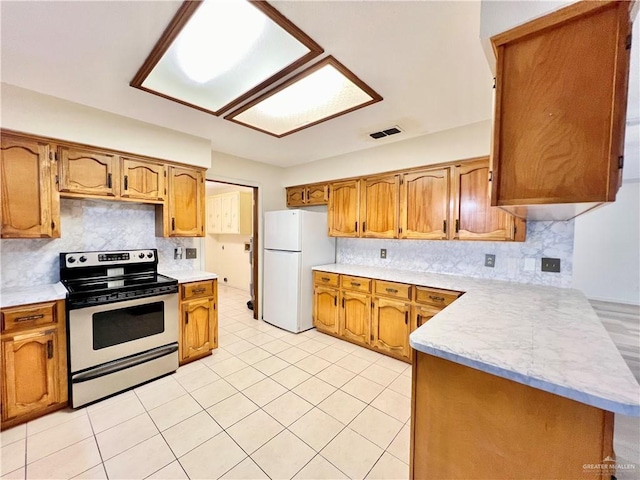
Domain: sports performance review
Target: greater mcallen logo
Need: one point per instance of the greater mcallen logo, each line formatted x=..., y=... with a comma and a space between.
x=608, y=465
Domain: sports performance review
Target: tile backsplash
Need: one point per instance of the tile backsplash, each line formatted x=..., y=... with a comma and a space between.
x=88, y=225
x=544, y=239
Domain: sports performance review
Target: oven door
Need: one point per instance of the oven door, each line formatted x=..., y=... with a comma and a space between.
x=104, y=333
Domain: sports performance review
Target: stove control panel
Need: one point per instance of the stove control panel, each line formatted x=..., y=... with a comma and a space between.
x=121, y=257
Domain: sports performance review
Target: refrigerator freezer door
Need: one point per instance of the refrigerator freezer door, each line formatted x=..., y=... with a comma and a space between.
x=282, y=230
x=282, y=289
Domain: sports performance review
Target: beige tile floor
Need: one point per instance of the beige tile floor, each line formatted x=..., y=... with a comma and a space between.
x=266, y=404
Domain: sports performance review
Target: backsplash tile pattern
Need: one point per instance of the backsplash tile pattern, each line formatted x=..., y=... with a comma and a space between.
x=544, y=239
x=88, y=225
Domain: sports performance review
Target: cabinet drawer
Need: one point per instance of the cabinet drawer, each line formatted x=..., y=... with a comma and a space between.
x=355, y=283
x=324, y=278
x=391, y=289
x=434, y=296
x=23, y=317
x=196, y=290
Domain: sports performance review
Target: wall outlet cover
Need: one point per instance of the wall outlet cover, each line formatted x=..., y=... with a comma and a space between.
x=383, y=253
x=191, y=253
x=550, y=265
x=489, y=260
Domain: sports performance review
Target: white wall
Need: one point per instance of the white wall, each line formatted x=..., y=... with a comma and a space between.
x=456, y=144
x=271, y=193
x=32, y=112
x=227, y=257
x=607, y=249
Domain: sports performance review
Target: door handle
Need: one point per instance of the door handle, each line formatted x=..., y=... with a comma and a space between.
x=406, y=318
x=126, y=182
x=173, y=224
x=419, y=320
x=109, y=180
x=49, y=349
x=342, y=302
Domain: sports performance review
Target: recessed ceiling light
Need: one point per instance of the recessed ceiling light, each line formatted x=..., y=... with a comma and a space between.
x=321, y=92
x=216, y=54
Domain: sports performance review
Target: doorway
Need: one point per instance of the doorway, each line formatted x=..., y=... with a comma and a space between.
x=231, y=239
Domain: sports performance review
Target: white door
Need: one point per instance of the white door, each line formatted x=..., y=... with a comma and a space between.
x=281, y=289
x=282, y=230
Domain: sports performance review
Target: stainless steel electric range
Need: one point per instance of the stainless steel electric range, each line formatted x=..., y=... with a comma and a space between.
x=122, y=321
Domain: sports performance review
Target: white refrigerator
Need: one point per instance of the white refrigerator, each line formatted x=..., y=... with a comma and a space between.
x=294, y=241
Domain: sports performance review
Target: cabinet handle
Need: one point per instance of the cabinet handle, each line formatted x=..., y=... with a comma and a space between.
x=342, y=302
x=303, y=196
x=325, y=279
x=126, y=182
x=109, y=180
x=419, y=320
x=444, y=226
x=457, y=225
x=355, y=284
x=436, y=299
x=364, y=227
x=173, y=224
x=49, y=349
x=335, y=301
x=198, y=290
x=30, y=317
x=356, y=227
x=406, y=318
x=392, y=290
x=186, y=318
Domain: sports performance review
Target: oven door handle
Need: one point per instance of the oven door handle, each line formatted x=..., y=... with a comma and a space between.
x=122, y=364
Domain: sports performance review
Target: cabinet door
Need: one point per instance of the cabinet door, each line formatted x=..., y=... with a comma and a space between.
x=87, y=172
x=344, y=208
x=30, y=380
x=198, y=328
x=390, y=326
x=214, y=214
x=317, y=194
x=325, y=309
x=186, y=198
x=475, y=218
x=379, y=207
x=560, y=112
x=422, y=314
x=355, y=317
x=296, y=196
x=30, y=200
x=234, y=211
x=424, y=204
x=142, y=180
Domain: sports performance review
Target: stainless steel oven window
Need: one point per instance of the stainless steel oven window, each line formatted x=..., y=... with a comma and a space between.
x=113, y=327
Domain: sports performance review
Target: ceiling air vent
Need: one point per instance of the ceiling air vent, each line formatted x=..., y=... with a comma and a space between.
x=386, y=132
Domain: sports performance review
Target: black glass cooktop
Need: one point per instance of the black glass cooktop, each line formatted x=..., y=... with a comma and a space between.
x=109, y=284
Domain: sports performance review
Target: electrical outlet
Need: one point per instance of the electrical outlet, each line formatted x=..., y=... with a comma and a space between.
x=550, y=265
x=191, y=253
x=383, y=253
x=489, y=260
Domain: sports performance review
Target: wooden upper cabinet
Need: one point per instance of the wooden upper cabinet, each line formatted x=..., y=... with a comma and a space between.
x=379, y=207
x=474, y=217
x=295, y=196
x=344, y=208
x=561, y=95
x=86, y=171
x=317, y=194
x=30, y=200
x=186, y=197
x=142, y=180
x=424, y=204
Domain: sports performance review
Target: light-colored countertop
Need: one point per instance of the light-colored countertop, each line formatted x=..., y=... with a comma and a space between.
x=186, y=276
x=11, y=297
x=545, y=337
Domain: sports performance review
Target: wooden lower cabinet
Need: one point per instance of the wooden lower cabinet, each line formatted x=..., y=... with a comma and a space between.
x=390, y=327
x=326, y=313
x=198, y=320
x=376, y=314
x=34, y=361
x=507, y=430
x=355, y=316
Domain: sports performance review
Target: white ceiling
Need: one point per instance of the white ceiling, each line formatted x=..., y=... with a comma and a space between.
x=424, y=58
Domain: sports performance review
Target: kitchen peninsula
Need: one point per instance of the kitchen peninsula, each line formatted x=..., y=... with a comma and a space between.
x=521, y=378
